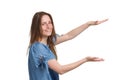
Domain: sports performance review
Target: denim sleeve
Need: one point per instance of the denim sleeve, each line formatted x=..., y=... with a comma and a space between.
x=54, y=38
x=40, y=55
x=35, y=58
x=46, y=53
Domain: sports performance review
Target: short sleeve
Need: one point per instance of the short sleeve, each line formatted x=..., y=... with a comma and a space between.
x=40, y=54
x=54, y=38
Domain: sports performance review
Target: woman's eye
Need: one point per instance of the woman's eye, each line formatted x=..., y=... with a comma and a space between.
x=50, y=22
x=43, y=23
x=46, y=23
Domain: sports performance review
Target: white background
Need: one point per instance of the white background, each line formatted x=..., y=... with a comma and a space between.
x=101, y=40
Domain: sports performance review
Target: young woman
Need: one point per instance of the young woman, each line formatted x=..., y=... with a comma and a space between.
x=42, y=60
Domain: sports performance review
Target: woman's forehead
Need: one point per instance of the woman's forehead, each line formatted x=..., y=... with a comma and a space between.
x=45, y=18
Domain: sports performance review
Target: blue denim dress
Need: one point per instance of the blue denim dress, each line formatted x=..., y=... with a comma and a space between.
x=38, y=68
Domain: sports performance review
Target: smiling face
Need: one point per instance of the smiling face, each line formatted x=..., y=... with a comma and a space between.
x=46, y=26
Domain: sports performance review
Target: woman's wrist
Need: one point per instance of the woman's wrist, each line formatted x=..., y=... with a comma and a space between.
x=88, y=23
x=85, y=59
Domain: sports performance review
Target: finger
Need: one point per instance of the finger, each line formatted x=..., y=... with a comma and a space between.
x=99, y=22
x=104, y=20
x=99, y=59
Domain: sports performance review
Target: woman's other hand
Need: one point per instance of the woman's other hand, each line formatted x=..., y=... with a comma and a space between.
x=89, y=58
x=96, y=22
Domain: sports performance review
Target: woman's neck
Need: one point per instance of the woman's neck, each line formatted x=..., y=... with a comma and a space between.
x=43, y=40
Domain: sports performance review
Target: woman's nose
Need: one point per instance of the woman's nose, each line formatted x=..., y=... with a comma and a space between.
x=47, y=25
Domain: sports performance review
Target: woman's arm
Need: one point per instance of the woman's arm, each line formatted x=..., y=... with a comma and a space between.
x=61, y=69
x=73, y=33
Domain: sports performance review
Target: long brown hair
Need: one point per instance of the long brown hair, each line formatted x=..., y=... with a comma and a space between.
x=36, y=32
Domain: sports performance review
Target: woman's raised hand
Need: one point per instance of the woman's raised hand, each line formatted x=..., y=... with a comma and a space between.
x=96, y=22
